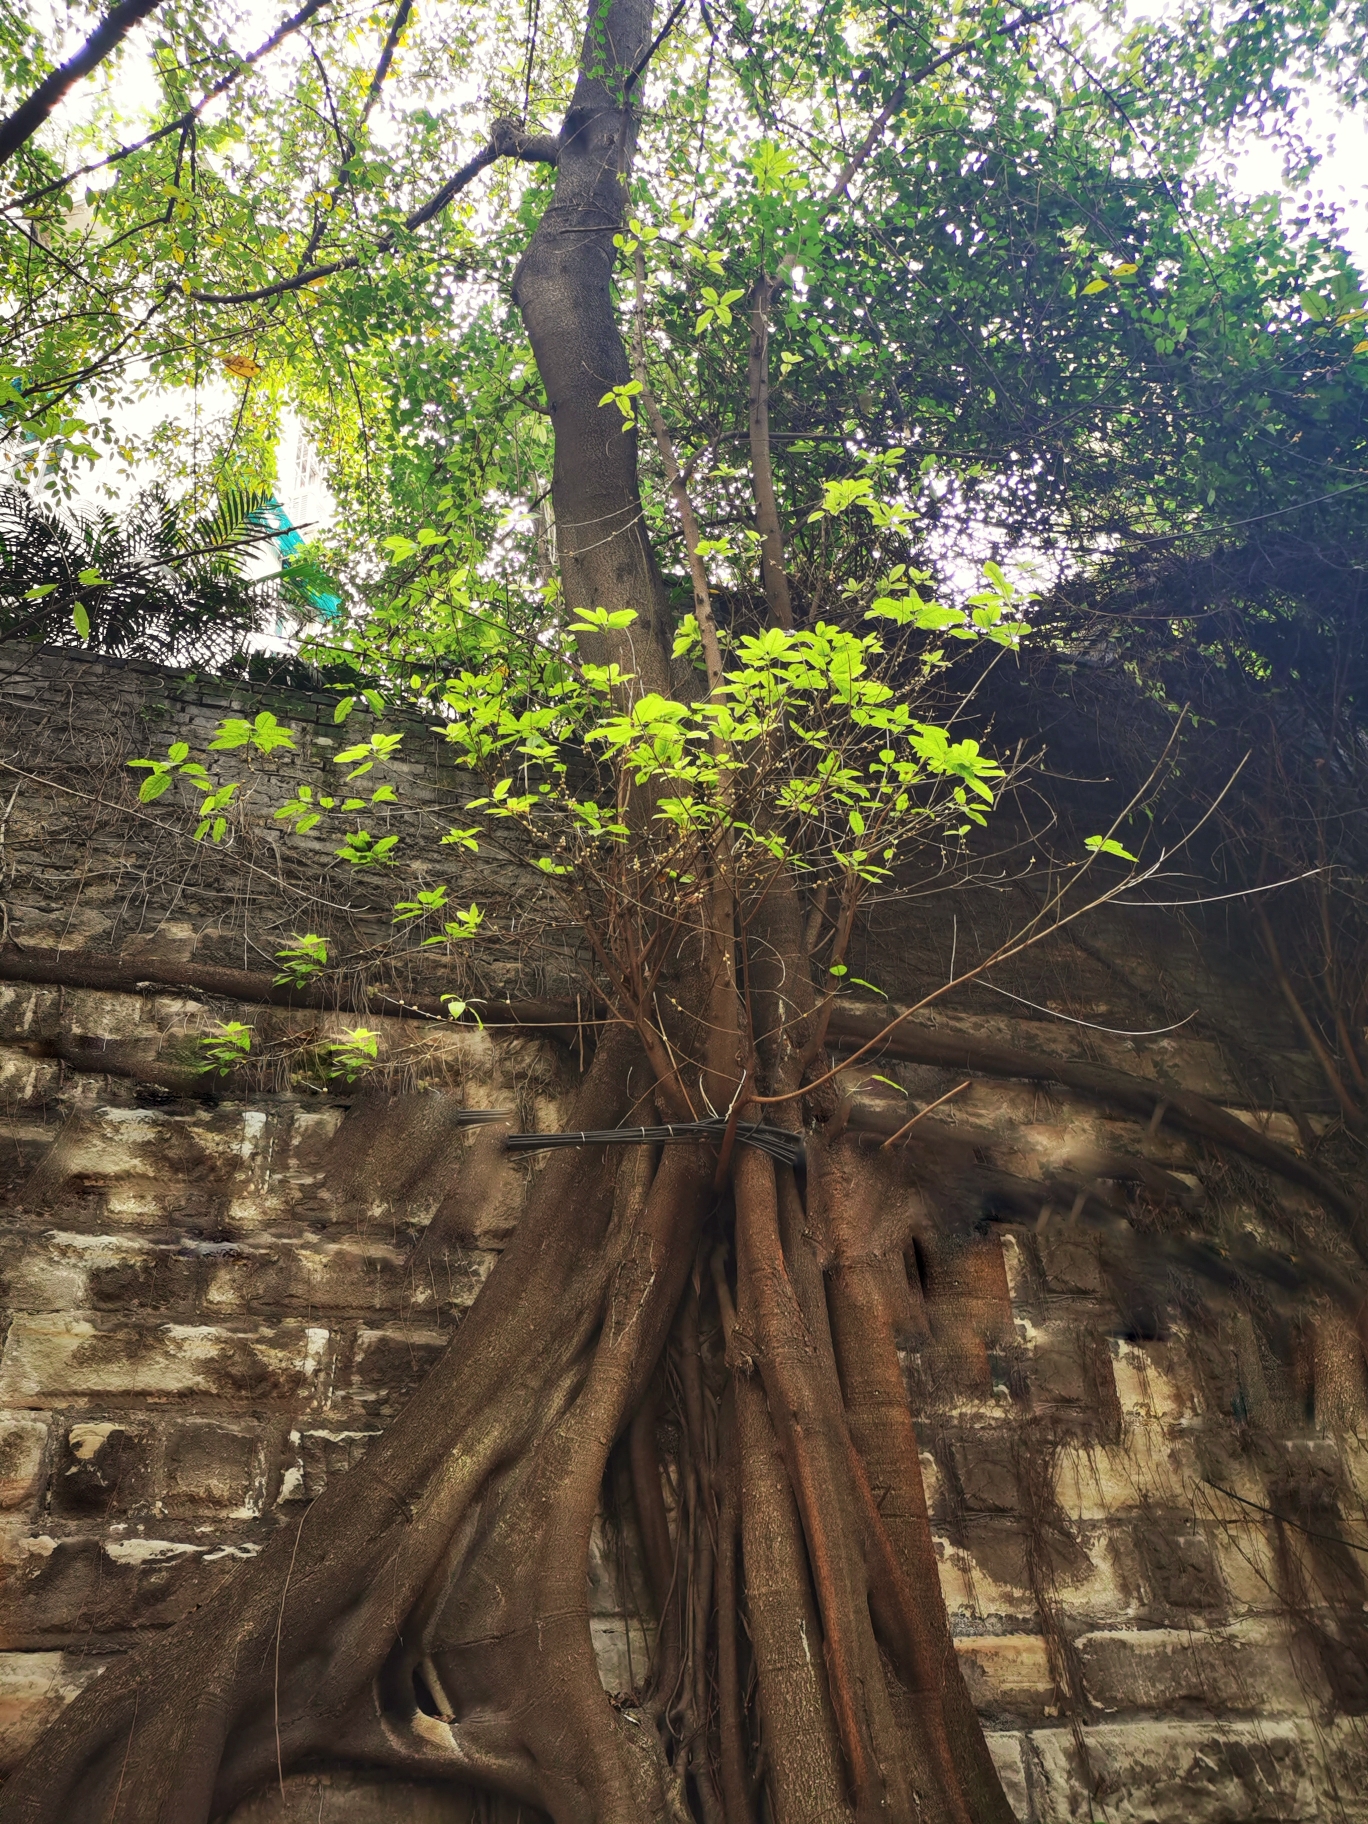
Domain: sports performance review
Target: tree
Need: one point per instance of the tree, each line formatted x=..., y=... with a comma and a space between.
x=714, y=771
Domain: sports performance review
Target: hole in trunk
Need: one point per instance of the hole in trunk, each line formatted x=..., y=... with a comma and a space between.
x=422, y=1691
x=917, y=1257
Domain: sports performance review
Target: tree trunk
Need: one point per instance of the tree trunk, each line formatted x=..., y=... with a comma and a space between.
x=564, y=289
x=429, y=1612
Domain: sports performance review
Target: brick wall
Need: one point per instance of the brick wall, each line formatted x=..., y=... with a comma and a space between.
x=1153, y=1538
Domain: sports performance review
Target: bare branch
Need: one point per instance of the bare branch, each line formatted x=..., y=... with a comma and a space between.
x=396, y=32
x=639, y=68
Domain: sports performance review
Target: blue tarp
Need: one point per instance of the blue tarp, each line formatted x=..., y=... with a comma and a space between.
x=274, y=519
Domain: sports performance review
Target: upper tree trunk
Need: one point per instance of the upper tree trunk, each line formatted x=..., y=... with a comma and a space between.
x=563, y=286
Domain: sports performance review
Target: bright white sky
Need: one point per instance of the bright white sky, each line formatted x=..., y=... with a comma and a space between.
x=1341, y=178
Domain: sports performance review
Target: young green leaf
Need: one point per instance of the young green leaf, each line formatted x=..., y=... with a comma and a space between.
x=1108, y=845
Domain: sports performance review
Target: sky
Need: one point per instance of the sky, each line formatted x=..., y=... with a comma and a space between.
x=1255, y=168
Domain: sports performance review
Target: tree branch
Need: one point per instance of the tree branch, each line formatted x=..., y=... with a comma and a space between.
x=861, y=154
x=640, y=66
x=506, y=140
x=108, y=35
x=772, y=571
x=767, y=522
x=178, y=125
x=146, y=976
x=1183, y=1108
x=852, y=1027
x=703, y=614
x=396, y=31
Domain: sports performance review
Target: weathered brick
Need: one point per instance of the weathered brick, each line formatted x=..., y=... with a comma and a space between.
x=210, y=1467
x=352, y=1276
x=1192, y=1773
x=33, y=1688
x=22, y=1007
x=53, y=1359
x=1057, y=1372
x=72, y=1272
x=1094, y=1481
x=64, y=1588
x=622, y=1647
x=1179, y=1566
x=987, y=1471
x=1071, y=1261
x=1008, y=1675
x=1009, y=1757
x=23, y=1440
x=27, y=1081
x=1145, y=1383
x=313, y=1456
x=387, y=1363
x=106, y=1467
x=1247, y=1669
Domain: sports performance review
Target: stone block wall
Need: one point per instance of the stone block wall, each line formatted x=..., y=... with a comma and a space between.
x=1153, y=1529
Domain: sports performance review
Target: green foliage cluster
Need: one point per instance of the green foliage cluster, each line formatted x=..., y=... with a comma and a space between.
x=1024, y=332
x=1035, y=287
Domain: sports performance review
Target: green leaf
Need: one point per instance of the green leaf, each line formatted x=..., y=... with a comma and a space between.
x=153, y=787
x=80, y=620
x=302, y=958
x=1108, y=845
x=225, y=1048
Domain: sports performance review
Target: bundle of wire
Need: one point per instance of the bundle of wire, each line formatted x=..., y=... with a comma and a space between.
x=786, y=1147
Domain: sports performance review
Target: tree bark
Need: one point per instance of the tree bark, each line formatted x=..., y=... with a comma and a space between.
x=564, y=289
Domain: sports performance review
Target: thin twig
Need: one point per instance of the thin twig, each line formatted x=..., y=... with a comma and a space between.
x=280, y=1622
x=893, y=1138
x=1284, y=1519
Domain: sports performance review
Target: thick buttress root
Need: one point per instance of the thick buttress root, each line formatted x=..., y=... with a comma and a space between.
x=430, y=1611
x=286, y=1659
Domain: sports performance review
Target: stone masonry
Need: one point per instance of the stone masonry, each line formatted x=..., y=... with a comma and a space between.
x=1153, y=1530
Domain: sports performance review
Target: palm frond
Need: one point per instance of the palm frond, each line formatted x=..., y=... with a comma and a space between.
x=155, y=584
